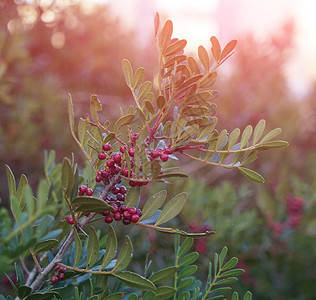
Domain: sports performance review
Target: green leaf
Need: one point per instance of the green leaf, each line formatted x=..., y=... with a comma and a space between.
x=132, y=297
x=251, y=175
x=138, y=78
x=78, y=247
x=233, y=137
x=68, y=178
x=111, y=248
x=226, y=281
x=91, y=204
x=235, y=296
x=172, y=208
x=245, y=136
x=83, y=127
x=135, y=280
x=122, y=121
x=15, y=208
x=45, y=245
x=273, y=144
x=234, y=272
x=222, y=256
x=165, y=292
x=23, y=183
x=252, y=156
x=150, y=295
x=93, y=246
x=95, y=106
x=185, y=247
x=258, y=131
x=19, y=275
x=189, y=259
x=144, y=90
x=132, y=196
x=272, y=134
x=185, y=283
x=71, y=114
x=128, y=72
x=247, y=296
x=24, y=291
x=230, y=264
x=220, y=140
x=124, y=256
x=115, y=296
x=173, y=174
x=43, y=296
x=221, y=290
x=153, y=204
x=163, y=275
x=11, y=181
x=187, y=271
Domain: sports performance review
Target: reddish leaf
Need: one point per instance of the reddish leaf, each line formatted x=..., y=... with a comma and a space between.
x=165, y=34
x=193, y=66
x=156, y=23
x=216, y=48
x=203, y=56
x=228, y=48
x=175, y=48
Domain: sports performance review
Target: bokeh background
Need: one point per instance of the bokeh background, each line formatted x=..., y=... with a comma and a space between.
x=51, y=48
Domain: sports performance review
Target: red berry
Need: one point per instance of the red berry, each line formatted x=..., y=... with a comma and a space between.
x=110, y=163
x=132, y=183
x=105, y=174
x=70, y=220
x=56, y=268
x=115, y=190
x=122, y=148
x=83, y=188
x=108, y=219
x=127, y=221
x=139, y=212
x=164, y=157
x=168, y=151
x=112, y=170
x=98, y=179
x=117, y=216
x=126, y=215
x=124, y=208
x=117, y=158
x=105, y=213
x=135, y=218
x=89, y=192
x=154, y=154
x=54, y=280
x=123, y=189
x=102, y=156
x=132, y=210
x=81, y=193
x=115, y=208
x=131, y=152
x=120, y=197
x=61, y=276
x=125, y=172
x=106, y=147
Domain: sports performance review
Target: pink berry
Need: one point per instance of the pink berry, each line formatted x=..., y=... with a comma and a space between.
x=83, y=188
x=106, y=147
x=102, y=156
x=89, y=192
x=131, y=152
x=132, y=210
x=70, y=220
x=110, y=163
x=54, y=280
x=127, y=221
x=117, y=216
x=122, y=148
x=164, y=157
x=168, y=151
x=108, y=219
x=61, y=276
x=117, y=158
x=123, y=189
x=135, y=218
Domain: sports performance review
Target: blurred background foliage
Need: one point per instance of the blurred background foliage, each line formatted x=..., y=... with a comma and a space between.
x=47, y=51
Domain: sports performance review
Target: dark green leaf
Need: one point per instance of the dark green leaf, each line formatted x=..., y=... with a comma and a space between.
x=78, y=247
x=234, y=272
x=45, y=245
x=185, y=283
x=226, y=281
x=165, y=292
x=153, y=204
x=111, y=248
x=115, y=296
x=24, y=291
x=93, y=246
x=230, y=264
x=185, y=247
x=150, y=295
x=247, y=296
x=221, y=290
x=43, y=296
x=163, y=275
x=124, y=256
x=172, y=208
x=187, y=271
x=11, y=181
x=222, y=256
x=68, y=178
x=19, y=275
x=91, y=204
x=135, y=280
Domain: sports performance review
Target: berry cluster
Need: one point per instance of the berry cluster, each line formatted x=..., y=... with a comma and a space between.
x=85, y=191
x=294, y=207
x=113, y=163
x=120, y=211
x=59, y=274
